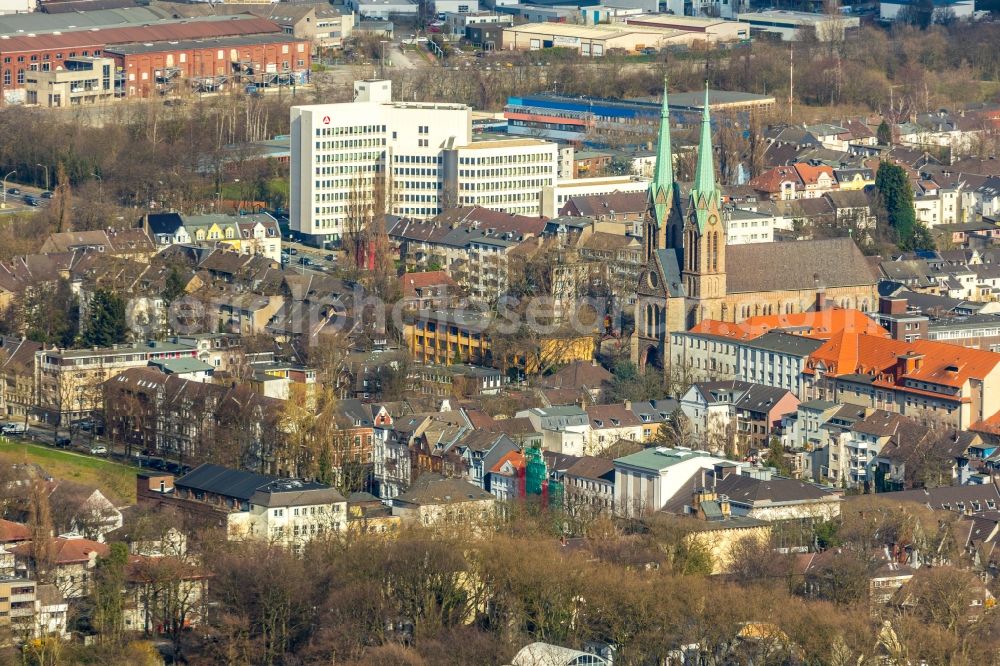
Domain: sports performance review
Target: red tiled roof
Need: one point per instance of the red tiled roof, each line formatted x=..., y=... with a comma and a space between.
x=936, y=362
x=810, y=174
x=413, y=281
x=771, y=180
x=515, y=458
x=174, y=31
x=68, y=551
x=11, y=532
x=821, y=324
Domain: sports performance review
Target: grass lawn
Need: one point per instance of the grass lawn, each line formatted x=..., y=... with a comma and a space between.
x=116, y=481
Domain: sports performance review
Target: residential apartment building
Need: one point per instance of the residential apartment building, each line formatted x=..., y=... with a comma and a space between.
x=590, y=488
x=556, y=197
x=29, y=610
x=69, y=382
x=932, y=382
x=610, y=424
x=565, y=429
x=747, y=226
x=363, y=158
x=776, y=359
x=71, y=564
x=734, y=415
x=17, y=377
x=704, y=356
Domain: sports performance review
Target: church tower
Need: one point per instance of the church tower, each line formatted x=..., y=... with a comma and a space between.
x=662, y=226
x=704, y=259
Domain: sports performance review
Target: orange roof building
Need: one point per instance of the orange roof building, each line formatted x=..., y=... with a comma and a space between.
x=933, y=382
x=819, y=324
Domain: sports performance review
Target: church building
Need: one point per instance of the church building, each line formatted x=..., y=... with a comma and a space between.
x=690, y=274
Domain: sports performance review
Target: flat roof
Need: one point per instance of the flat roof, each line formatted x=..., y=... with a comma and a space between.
x=242, y=40
x=795, y=18
x=120, y=350
x=587, y=31
x=18, y=24
x=484, y=144
x=616, y=180
x=660, y=457
x=671, y=19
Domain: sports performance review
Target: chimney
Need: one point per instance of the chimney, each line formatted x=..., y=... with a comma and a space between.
x=628, y=405
x=892, y=306
x=724, y=507
x=820, y=300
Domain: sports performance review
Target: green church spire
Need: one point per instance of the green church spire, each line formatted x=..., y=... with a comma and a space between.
x=705, y=189
x=660, y=190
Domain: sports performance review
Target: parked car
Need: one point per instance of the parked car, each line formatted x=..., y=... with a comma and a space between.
x=63, y=442
x=14, y=428
x=292, y=250
x=30, y=200
x=98, y=450
x=13, y=190
x=329, y=257
x=46, y=195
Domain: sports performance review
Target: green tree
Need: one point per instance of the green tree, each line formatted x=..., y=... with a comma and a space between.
x=776, y=457
x=108, y=616
x=884, y=134
x=894, y=189
x=174, y=287
x=106, y=323
x=50, y=313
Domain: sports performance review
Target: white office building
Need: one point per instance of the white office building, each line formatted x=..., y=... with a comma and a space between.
x=353, y=160
x=505, y=174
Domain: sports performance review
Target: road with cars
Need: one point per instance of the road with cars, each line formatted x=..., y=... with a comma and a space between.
x=23, y=198
x=81, y=439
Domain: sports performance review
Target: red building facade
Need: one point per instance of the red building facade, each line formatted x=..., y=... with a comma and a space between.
x=211, y=64
x=44, y=52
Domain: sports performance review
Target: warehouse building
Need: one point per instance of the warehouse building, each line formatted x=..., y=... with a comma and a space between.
x=46, y=52
x=249, y=62
x=705, y=29
x=788, y=25
x=573, y=118
x=588, y=40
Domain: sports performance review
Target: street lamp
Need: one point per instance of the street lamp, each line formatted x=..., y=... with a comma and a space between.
x=4, y=204
x=46, y=167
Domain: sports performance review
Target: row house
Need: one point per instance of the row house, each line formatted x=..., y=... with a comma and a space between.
x=609, y=424
x=736, y=415
x=245, y=234
x=17, y=377
x=590, y=488
x=798, y=181
x=168, y=415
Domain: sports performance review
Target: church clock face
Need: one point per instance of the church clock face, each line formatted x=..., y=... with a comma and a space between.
x=713, y=219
